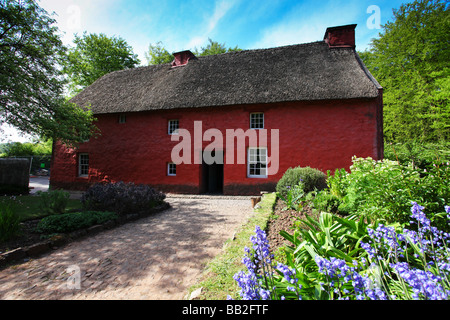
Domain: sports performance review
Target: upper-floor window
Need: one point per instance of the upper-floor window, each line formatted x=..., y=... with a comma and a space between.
x=122, y=118
x=83, y=165
x=257, y=120
x=173, y=126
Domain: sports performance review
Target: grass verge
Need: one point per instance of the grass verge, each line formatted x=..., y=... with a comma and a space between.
x=217, y=280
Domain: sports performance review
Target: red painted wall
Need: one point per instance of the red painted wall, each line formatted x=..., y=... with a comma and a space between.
x=323, y=135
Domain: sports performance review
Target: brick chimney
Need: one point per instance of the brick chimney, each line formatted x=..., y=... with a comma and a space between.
x=182, y=58
x=340, y=37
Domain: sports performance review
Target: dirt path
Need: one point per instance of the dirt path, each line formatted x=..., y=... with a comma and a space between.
x=154, y=258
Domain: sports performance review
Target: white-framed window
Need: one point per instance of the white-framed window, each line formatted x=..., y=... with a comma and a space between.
x=257, y=120
x=257, y=163
x=83, y=165
x=122, y=118
x=171, y=169
x=173, y=126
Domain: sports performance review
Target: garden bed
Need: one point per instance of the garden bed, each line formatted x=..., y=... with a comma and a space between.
x=282, y=219
x=30, y=244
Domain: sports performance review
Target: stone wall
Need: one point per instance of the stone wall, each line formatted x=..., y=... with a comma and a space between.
x=14, y=176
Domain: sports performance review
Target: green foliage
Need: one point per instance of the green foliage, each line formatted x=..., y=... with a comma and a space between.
x=311, y=179
x=385, y=190
x=354, y=258
x=53, y=202
x=157, y=54
x=9, y=221
x=69, y=222
x=293, y=196
x=326, y=201
x=18, y=149
x=411, y=60
x=31, y=82
x=419, y=155
x=214, y=47
x=329, y=236
x=95, y=55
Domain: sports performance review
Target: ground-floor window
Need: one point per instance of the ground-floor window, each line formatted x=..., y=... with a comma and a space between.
x=257, y=163
x=83, y=165
x=171, y=169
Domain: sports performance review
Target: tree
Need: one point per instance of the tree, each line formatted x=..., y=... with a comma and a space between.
x=95, y=55
x=411, y=60
x=31, y=83
x=17, y=149
x=157, y=54
x=215, y=47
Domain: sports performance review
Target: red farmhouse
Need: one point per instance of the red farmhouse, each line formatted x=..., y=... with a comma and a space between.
x=317, y=104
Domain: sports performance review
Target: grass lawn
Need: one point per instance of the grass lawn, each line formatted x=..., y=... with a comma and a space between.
x=28, y=206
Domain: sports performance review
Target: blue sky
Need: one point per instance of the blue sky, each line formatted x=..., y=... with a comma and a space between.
x=248, y=24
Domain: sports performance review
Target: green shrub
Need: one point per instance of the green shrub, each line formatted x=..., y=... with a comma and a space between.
x=385, y=190
x=420, y=155
x=294, y=196
x=69, y=222
x=53, y=202
x=326, y=201
x=312, y=179
x=9, y=221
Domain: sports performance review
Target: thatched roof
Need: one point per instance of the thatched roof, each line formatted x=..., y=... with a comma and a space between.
x=304, y=72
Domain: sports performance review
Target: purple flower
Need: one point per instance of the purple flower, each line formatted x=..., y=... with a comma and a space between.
x=424, y=284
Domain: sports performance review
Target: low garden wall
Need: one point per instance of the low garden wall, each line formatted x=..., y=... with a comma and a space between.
x=14, y=176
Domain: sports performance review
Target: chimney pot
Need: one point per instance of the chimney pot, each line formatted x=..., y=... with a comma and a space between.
x=340, y=37
x=182, y=58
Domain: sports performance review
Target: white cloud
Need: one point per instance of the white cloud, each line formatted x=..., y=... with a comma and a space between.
x=220, y=10
x=77, y=16
x=209, y=25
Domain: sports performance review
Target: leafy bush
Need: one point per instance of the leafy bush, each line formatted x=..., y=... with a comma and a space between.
x=293, y=196
x=69, y=222
x=9, y=221
x=54, y=201
x=312, y=179
x=349, y=259
x=383, y=189
x=326, y=201
x=121, y=197
x=418, y=154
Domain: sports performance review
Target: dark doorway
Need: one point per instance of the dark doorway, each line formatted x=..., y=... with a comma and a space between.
x=212, y=173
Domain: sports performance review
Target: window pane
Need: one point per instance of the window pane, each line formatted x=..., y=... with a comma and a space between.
x=257, y=120
x=172, y=169
x=173, y=126
x=83, y=169
x=257, y=162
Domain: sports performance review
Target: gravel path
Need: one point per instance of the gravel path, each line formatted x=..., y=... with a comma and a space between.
x=157, y=257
